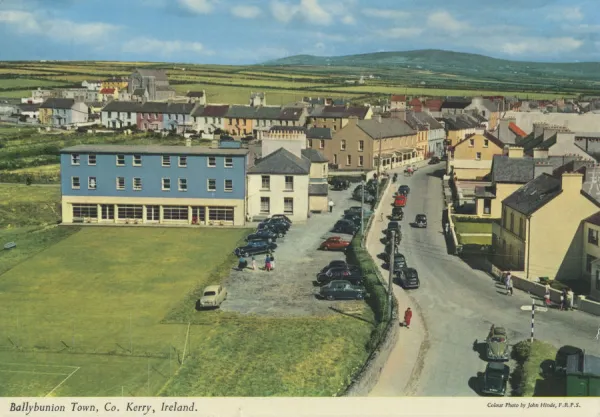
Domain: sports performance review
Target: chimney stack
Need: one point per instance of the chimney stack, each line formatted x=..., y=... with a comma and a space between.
x=542, y=168
x=572, y=182
x=515, y=152
x=540, y=153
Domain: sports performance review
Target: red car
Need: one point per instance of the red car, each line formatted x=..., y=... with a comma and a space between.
x=400, y=200
x=335, y=243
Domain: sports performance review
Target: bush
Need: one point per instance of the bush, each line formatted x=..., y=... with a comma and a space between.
x=521, y=351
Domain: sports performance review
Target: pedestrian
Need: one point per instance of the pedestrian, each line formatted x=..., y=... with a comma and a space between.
x=407, y=317
x=381, y=217
x=570, y=298
x=267, y=263
x=564, y=298
x=242, y=263
x=331, y=204
x=507, y=278
x=253, y=263
x=272, y=261
x=509, y=284
x=447, y=227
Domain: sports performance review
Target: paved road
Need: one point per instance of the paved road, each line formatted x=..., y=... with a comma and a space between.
x=458, y=305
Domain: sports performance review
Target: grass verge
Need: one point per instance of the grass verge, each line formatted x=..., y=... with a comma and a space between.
x=527, y=380
x=463, y=227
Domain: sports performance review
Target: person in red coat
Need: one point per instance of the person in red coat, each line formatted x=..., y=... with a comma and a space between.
x=407, y=317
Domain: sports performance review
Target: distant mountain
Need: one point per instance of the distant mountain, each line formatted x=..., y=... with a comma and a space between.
x=444, y=61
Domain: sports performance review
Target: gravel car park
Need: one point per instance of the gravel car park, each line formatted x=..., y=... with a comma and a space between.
x=289, y=289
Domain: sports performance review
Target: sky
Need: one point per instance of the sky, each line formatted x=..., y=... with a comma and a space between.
x=254, y=31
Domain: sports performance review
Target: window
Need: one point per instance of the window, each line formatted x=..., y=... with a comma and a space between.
x=107, y=211
x=512, y=222
x=137, y=160
x=120, y=183
x=504, y=216
x=478, y=156
x=289, y=183
x=360, y=160
x=322, y=144
x=487, y=206
x=348, y=159
x=166, y=161
x=182, y=184
x=91, y=183
x=229, y=162
x=166, y=184
x=486, y=143
x=129, y=115
x=361, y=145
x=120, y=160
x=265, y=205
x=137, y=184
x=471, y=142
x=310, y=143
x=265, y=182
x=75, y=159
x=288, y=205
x=588, y=263
x=343, y=145
x=222, y=214
x=131, y=212
x=91, y=159
x=75, y=183
x=228, y=185
x=81, y=211
x=593, y=236
x=212, y=161
x=153, y=213
x=335, y=160
x=211, y=184
x=175, y=213
x=183, y=161
x=521, y=228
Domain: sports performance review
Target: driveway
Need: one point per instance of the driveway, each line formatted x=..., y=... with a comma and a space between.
x=456, y=305
x=288, y=290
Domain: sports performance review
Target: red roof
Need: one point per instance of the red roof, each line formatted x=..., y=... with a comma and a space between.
x=107, y=91
x=415, y=102
x=516, y=130
x=396, y=98
x=434, y=105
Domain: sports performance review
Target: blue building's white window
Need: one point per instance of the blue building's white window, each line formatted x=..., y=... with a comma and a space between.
x=91, y=183
x=91, y=159
x=182, y=184
x=183, y=161
x=137, y=160
x=229, y=185
x=211, y=184
x=166, y=184
x=166, y=161
x=212, y=161
x=120, y=160
x=120, y=183
x=75, y=184
x=137, y=184
x=228, y=162
x=75, y=159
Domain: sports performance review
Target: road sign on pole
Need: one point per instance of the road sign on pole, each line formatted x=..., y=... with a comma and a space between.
x=532, y=317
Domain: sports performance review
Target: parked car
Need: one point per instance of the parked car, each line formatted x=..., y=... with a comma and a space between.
x=397, y=214
x=408, y=278
x=353, y=218
x=340, y=264
x=399, y=262
x=368, y=197
x=400, y=200
x=276, y=221
x=495, y=379
x=212, y=296
x=434, y=160
x=339, y=184
x=346, y=227
x=397, y=236
x=393, y=225
x=354, y=277
x=263, y=234
x=279, y=228
x=342, y=290
x=280, y=217
x=335, y=243
x=404, y=189
x=386, y=255
x=497, y=344
x=255, y=247
x=421, y=220
x=356, y=210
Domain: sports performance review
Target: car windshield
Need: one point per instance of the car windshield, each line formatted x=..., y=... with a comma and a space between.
x=498, y=339
x=209, y=293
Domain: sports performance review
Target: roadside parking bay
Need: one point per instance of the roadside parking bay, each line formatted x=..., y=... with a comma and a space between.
x=289, y=289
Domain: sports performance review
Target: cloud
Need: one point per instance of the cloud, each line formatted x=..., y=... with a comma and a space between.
x=399, y=33
x=386, y=14
x=316, y=12
x=348, y=20
x=142, y=45
x=535, y=45
x=446, y=22
x=198, y=6
x=28, y=23
x=572, y=14
x=246, y=12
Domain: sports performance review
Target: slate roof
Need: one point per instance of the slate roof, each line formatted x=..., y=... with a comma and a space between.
x=211, y=111
x=455, y=104
x=513, y=170
x=152, y=150
x=195, y=94
x=267, y=113
x=57, y=103
x=123, y=106
x=388, y=128
x=460, y=122
x=281, y=162
x=139, y=92
x=28, y=107
x=339, y=112
x=490, y=105
x=534, y=195
x=318, y=189
x=160, y=75
x=241, y=112
x=594, y=219
x=291, y=113
x=319, y=133
x=516, y=130
x=154, y=107
x=314, y=155
x=180, y=108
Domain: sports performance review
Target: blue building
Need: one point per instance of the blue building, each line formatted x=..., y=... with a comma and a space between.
x=154, y=184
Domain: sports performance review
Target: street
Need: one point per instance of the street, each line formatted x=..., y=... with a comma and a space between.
x=457, y=304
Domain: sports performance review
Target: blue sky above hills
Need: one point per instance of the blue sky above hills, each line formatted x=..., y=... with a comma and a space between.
x=253, y=31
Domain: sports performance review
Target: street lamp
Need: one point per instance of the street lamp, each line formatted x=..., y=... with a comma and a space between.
x=362, y=208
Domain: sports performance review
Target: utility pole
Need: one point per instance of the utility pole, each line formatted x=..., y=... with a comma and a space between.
x=378, y=163
x=362, y=209
x=532, y=317
x=391, y=270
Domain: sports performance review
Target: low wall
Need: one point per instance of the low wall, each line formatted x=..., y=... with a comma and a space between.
x=588, y=306
x=452, y=230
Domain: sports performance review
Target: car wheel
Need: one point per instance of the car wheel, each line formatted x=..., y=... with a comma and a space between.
x=325, y=248
x=330, y=297
x=279, y=234
x=244, y=255
x=360, y=296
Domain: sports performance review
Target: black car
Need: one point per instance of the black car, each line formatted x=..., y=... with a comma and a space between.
x=386, y=255
x=421, y=220
x=278, y=227
x=408, y=278
x=495, y=379
x=397, y=236
x=340, y=184
x=263, y=234
x=340, y=264
x=346, y=227
x=434, y=160
x=404, y=189
x=342, y=290
x=280, y=217
x=397, y=214
x=255, y=248
x=356, y=211
x=353, y=218
x=393, y=225
x=332, y=274
x=399, y=262
x=276, y=221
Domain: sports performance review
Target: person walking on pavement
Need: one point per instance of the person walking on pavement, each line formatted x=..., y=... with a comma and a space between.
x=446, y=227
x=570, y=299
x=509, y=284
x=267, y=263
x=547, y=295
x=253, y=263
x=407, y=317
x=272, y=261
x=507, y=278
x=331, y=204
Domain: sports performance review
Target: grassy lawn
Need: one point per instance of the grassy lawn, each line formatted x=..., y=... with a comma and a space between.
x=472, y=227
x=474, y=240
x=22, y=205
x=533, y=384
x=103, y=293
x=26, y=83
x=15, y=93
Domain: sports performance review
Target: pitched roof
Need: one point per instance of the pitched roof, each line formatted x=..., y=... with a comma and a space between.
x=318, y=189
x=57, y=103
x=513, y=170
x=424, y=117
x=281, y=162
x=460, y=122
x=319, y=133
x=28, y=107
x=291, y=113
x=120, y=106
x=490, y=105
x=339, y=112
x=397, y=98
x=153, y=150
x=455, y=103
x=516, y=130
x=154, y=107
x=180, y=108
x=159, y=74
x=388, y=128
x=139, y=92
x=195, y=94
x=487, y=136
x=241, y=112
x=415, y=102
x=314, y=155
x=107, y=91
x=434, y=104
x=534, y=195
x=211, y=110
x=594, y=219
x=267, y=113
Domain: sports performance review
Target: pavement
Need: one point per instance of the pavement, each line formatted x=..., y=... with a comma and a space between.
x=455, y=306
